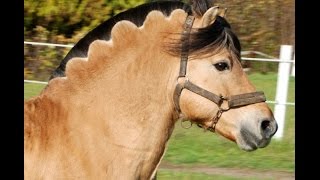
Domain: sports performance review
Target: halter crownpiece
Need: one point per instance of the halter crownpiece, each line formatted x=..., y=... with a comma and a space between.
x=224, y=103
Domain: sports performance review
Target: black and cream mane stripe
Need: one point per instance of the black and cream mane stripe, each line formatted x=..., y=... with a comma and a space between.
x=217, y=35
x=136, y=15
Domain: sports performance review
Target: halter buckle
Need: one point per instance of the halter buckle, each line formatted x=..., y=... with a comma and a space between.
x=224, y=104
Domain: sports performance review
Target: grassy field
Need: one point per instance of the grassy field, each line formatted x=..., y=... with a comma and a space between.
x=31, y=89
x=169, y=175
x=191, y=147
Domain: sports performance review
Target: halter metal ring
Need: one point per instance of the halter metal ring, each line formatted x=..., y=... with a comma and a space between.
x=186, y=79
x=185, y=127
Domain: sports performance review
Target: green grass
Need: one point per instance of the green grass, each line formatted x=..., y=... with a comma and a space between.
x=31, y=89
x=195, y=147
x=169, y=175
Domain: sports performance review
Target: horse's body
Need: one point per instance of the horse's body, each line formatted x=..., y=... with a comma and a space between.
x=112, y=114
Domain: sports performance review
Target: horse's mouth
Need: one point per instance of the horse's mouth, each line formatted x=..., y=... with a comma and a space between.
x=248, y=141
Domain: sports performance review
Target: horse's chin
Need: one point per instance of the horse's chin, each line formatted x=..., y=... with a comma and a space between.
x=250, y=142
x=247, y=147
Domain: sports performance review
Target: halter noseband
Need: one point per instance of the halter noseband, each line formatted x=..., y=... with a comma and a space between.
x=224, y=103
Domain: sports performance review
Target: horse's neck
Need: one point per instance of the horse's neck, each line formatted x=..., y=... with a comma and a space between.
x=132, y=89
x=119, y=102
x=121, y=121
x=129, y=114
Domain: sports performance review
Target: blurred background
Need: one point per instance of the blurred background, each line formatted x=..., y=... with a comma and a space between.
x=262, y=27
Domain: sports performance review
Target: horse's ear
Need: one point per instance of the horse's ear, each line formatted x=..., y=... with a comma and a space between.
x=210, y=16
x=223, y=12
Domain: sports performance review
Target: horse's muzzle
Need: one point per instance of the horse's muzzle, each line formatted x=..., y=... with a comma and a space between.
x=250, y=140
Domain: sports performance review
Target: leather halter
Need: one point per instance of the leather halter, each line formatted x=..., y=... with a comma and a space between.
x=224, y=103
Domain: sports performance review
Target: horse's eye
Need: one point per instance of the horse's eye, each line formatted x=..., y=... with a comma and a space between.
x=221, y=66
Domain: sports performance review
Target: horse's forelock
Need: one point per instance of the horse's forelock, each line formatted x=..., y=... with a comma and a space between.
x=213, y=38
x=208, y=40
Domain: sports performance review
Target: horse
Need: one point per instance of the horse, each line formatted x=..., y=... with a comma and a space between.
x=112, y=112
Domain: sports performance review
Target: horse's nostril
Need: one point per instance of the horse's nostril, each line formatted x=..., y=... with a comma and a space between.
x=265, y=124
x=268, y=128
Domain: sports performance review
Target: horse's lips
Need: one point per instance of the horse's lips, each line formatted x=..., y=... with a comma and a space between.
x=249, y=141
x=263, y=143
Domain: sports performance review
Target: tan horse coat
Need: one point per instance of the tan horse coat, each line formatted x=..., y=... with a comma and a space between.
x=112, y=115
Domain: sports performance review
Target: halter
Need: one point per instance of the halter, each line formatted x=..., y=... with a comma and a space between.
x=224, y=103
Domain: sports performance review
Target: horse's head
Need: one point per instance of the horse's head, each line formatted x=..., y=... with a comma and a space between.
x=231, y=106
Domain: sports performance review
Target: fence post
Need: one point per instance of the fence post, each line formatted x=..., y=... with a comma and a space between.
x=282, y=88
x=293, y=69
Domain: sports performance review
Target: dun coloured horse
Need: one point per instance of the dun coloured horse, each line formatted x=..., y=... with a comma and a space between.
x=112, y=112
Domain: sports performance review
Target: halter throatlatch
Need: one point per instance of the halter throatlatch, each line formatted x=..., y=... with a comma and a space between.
x=224, y=103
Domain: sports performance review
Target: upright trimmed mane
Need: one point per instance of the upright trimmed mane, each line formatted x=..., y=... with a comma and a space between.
x=118, y=49
x=136, y=15
x=216, y=36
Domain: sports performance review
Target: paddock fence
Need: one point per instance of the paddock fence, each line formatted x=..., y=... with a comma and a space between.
x=286, y=68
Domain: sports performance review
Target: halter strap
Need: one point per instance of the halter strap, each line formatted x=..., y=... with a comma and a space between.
x=232, y=101
x=185, y=45
x=224, y=103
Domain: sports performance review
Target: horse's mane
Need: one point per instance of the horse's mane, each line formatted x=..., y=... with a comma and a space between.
x=202, y=41
x=119, y=59
x=136, y=15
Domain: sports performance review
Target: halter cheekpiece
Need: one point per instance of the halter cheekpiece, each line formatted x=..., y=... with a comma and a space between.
x=224, y=103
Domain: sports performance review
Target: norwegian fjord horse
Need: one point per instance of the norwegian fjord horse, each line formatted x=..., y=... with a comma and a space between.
x=112, y=111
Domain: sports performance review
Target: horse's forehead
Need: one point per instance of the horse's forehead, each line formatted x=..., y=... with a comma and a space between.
x=223, y=53
x=219, y=54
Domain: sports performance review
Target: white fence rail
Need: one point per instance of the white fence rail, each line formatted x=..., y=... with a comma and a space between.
x=280, y=102
x=48, y=44
x=35, y=82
